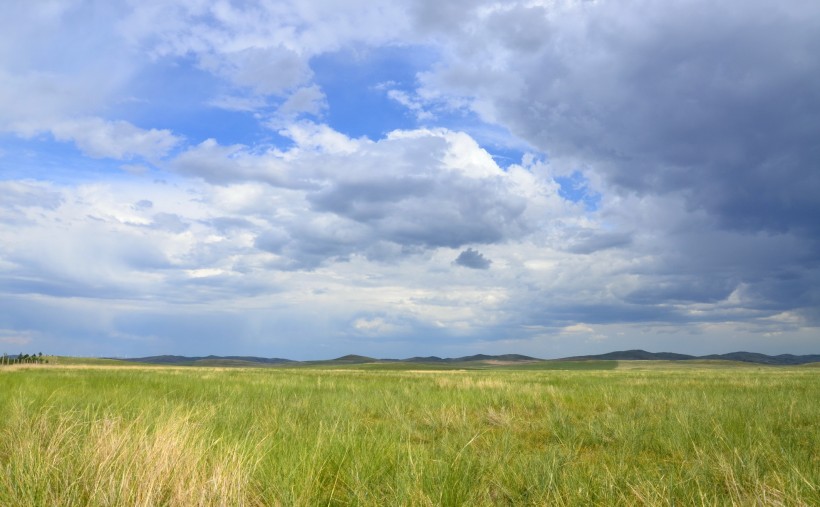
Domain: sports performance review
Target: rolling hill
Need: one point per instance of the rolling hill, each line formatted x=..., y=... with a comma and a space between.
x=190, y=361
x=353, y=359
x=745, y=357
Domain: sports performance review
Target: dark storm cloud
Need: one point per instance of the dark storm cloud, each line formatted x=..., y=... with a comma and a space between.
x=60, y=288
x=682, y=289
x=565, y=313
x=704, y=98
x=771, y=272
x=713, y=104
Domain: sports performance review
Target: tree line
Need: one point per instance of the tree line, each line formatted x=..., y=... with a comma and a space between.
x=23, y=359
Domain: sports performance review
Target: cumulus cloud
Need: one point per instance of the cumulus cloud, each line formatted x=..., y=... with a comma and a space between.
x=687, y=118
x=695, y=99
x=261, y=49
x=415, y=189
x=259, y=52
x=114, y=139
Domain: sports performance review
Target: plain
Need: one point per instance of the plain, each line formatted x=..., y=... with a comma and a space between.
x=606, y=433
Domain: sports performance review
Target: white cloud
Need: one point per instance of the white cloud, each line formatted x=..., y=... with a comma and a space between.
x=416, y=190
x=416, y=106
x=259, y=47
x=239, y=103
x=374, y=326
x=310, y=136
x=309, y=99
x=45, y=68
x=266, y=71
x=121, y=140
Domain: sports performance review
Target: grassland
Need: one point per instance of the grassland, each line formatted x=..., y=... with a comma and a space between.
x=652, y=434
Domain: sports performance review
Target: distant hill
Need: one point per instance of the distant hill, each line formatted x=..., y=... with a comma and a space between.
x=466, y=359
x=746, y=357
x=754, y=357
x=183, y=360
x=632, y=355
x=353, y=359
x=427, y=359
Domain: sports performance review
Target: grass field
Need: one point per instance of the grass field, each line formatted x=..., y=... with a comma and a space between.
x=611, y=434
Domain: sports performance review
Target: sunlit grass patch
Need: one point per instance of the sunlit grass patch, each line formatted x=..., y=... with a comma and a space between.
x=86, y=457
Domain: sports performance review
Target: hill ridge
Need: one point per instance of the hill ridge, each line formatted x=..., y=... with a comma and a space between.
x=745, y=357
x=620, y=355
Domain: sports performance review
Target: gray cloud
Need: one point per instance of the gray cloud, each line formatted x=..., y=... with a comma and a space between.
x=227, y=224
x=28, y=194
x=700, y=107
x=669, y=289
x=417, y=190
x=586, y=242
x=472, y=259
x=270, y=70
x=370, y=199
x=170, y=222
x=705, y=99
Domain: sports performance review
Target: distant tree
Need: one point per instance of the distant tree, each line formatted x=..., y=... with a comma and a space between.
x=22, y=358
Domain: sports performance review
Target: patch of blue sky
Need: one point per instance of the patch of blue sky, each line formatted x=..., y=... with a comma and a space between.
x=356, y=84
x=178, y=96
x=575, y=188
x=43, y=158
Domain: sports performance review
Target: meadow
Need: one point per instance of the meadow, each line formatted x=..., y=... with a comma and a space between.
x=598, y=434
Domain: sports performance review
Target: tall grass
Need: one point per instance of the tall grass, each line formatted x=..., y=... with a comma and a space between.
x=160, y=436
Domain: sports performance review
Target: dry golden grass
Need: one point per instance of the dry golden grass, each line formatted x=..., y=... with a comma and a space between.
x=75, y=458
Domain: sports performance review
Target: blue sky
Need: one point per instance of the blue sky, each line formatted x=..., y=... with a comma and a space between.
x=306, y=180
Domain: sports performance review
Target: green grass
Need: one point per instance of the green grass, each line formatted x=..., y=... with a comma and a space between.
x=299, y=436
x=460, y=365
x=84, y=361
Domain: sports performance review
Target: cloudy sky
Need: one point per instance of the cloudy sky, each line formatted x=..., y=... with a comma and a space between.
x=311, y=178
